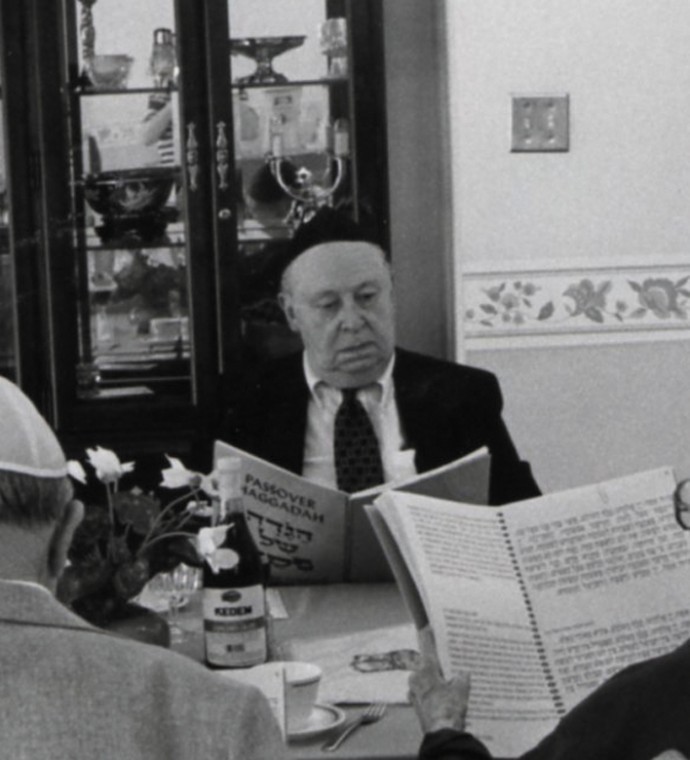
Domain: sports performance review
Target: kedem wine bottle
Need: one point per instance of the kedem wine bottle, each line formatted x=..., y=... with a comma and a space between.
x=234, y=593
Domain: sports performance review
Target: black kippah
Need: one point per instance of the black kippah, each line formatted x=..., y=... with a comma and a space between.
x=328, y=225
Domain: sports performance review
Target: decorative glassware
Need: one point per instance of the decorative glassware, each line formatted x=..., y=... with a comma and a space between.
x=176, y=587
x=332, y=35
x=163, y=59
x=263, y=50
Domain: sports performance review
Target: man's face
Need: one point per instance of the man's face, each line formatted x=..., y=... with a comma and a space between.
x=339, y=298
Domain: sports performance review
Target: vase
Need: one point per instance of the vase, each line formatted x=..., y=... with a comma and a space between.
x=124, y=618
x=141, y=624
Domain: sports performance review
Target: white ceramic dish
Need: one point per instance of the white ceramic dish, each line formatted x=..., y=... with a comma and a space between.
x=323, y=718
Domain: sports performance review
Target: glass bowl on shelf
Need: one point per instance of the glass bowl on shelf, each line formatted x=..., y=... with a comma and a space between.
x=108, y=72
x=263, y=50
x=132, y=202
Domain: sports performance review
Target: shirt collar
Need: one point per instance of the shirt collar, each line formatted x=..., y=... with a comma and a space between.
x=383, y=386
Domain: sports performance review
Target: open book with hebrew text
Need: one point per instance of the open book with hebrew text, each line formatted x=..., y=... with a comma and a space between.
x=541, y=600
x=311, y=533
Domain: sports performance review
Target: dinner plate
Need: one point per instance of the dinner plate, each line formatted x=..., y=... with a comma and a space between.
x=323, y=718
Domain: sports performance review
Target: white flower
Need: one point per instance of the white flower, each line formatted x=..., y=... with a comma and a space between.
x=76, y=471
x=177, y=475
x=199, y=509
x=209, y=485
x=207, y=545
x=107, y=464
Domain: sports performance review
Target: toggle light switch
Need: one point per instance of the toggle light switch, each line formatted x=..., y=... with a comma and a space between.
x=540, y=123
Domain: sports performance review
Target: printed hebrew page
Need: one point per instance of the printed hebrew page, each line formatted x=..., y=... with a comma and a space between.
x=542, y=600
x=459, y=559
x=298, y=525
x=465, y=479
x=607, y=570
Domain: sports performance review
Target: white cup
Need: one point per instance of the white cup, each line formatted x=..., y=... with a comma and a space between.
x=301, y=691
x=297, y=682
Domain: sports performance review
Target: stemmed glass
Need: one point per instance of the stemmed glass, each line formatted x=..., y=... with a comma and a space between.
x=176, y=587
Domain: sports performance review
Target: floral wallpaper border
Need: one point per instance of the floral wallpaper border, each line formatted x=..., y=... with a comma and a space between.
x=588, y=302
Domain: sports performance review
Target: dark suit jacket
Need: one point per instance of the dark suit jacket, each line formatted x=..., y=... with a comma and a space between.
x=446, y=411
x=636, y=715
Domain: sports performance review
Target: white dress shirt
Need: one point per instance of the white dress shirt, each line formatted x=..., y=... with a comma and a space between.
x=379, y=401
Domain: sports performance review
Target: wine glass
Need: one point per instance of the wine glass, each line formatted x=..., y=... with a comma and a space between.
x=176, y=587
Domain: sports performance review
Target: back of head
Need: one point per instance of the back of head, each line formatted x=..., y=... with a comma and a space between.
x=33, y=470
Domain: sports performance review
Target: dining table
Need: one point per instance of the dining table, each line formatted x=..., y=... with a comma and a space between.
x=321, y=613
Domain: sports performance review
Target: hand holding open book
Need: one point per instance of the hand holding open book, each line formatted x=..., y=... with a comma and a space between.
x=541, y=600
x=439, y=703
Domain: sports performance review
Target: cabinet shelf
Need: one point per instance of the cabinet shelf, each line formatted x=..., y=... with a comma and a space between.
x=173, y=237
x=90, y=91
x=94, y=244
x=320, y=82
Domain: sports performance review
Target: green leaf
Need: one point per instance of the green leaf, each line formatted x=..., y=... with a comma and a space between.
x=169, y=553
x=131, y=577
x=594, y=314
x=136, y=509
x=487, y=308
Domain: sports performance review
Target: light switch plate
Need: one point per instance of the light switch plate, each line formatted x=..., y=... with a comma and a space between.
x=540, y=123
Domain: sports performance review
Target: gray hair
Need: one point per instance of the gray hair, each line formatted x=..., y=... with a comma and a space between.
x=26, y=500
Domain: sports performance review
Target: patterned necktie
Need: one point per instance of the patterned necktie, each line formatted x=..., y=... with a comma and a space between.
x=356, y=448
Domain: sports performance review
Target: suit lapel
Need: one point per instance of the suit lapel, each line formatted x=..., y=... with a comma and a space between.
x=429, y=412
x=285, y=437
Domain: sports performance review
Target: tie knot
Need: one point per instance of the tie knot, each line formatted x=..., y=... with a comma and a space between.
x=349, y=395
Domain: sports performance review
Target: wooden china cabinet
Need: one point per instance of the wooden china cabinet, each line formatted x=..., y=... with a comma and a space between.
x=157, y=157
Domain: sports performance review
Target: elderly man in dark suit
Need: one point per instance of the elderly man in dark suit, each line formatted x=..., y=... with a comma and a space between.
x=353, y=410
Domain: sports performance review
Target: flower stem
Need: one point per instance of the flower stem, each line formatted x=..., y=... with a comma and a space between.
x=174, y=534
x=156, y=524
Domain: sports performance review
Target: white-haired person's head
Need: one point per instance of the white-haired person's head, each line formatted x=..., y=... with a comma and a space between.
x=38, y=514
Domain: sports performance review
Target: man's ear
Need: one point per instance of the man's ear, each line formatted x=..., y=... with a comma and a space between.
x=286, y=304
x=62, y=536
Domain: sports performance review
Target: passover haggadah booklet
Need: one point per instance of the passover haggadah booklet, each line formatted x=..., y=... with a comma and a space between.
x=311, y=533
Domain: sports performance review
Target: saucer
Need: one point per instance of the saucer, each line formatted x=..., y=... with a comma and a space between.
x=323, y=718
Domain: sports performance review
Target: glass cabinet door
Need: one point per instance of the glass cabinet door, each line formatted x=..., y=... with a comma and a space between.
x=131, y=232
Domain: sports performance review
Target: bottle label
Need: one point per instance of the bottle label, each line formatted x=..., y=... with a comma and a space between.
x=235, y=626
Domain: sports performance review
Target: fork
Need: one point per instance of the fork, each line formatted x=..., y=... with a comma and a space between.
x=374, y=712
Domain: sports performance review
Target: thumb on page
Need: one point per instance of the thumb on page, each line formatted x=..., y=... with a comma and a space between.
x=427, y=649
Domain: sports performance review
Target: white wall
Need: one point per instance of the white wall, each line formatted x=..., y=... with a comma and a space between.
x=589, y=395
x=624, y=186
